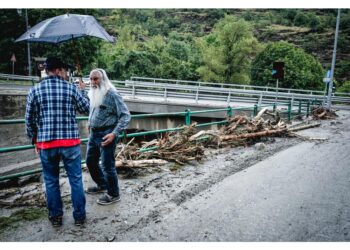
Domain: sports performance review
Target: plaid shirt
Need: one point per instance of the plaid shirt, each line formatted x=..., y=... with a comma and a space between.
x=112, y=112
x=51, y=110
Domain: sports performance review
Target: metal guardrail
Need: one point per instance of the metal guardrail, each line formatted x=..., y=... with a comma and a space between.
x=187, y=121
x=168, y=90
x=205, y=91
x=233, y=86
x=8, y=77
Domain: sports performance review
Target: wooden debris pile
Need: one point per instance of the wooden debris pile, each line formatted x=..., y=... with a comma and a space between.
x=243, y=130
x=319, y=112
x=188, y=144
x=174, y=147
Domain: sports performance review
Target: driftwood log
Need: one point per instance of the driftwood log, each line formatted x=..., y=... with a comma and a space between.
x=304, y=127
x=254, y=135
x=140, y=163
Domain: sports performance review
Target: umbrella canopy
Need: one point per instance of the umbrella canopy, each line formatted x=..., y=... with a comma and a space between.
x=65, y=27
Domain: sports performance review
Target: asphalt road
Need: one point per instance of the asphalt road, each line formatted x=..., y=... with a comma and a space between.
x=286, y=190
x=299, y=194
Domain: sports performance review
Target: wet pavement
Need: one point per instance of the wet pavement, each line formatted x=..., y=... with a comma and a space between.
x=283, y=189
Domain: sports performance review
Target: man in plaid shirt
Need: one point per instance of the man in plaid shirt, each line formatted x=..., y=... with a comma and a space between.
x=52, y=127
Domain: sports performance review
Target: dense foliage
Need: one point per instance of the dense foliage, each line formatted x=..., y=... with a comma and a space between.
x=301, y=69
x=216, y=45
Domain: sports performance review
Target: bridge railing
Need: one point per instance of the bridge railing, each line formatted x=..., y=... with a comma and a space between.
x=304, y=108
x=166, y=91
x=231, y=85
x=207, y=91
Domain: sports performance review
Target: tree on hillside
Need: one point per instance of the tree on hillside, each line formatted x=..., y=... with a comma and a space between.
x=301, y=70
x=179, y=59
x=228, y=52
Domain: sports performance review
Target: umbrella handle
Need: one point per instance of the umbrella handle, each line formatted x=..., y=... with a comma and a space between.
x=77, y=58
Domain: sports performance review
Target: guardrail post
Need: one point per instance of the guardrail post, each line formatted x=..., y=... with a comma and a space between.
x=299, y=109
x=197, y=95
x=274, y=107
x=188, y=117
x=255, y=112
x=229, y=97
x=260, y=99
x=133, y=90
x=229, y=111
x=307, y=108
x=289, y=111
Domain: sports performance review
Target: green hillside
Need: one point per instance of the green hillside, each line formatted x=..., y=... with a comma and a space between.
x=193, y=44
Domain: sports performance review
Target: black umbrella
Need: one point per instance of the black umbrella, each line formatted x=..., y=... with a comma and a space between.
x=66, y=27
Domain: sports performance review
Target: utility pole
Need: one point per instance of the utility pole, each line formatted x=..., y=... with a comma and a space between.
x=276, y=90
x=28, y=47
x=330, y=87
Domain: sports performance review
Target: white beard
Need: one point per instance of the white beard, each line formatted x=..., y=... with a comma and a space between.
x=96, y=95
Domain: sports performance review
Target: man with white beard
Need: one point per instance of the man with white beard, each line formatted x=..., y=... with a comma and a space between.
x=108, y=117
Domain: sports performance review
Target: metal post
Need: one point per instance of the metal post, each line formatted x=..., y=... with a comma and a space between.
x=229, y=111
x=329, y=98
x=28, y=47
x=274, y=107
x=255, y=112
x=133, y=90
x=276, y=90
x=188, y=117
x=289, y=111
x=299, y=109
x=308, y=109
x=229, y=98
x=260, y=99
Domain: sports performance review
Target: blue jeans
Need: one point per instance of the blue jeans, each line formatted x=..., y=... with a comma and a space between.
x=105, y=176
x=50, y=159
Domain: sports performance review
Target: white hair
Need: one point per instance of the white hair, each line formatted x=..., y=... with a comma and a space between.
x=96, y=95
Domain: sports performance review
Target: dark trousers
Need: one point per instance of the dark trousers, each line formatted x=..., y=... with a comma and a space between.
x=104, y=175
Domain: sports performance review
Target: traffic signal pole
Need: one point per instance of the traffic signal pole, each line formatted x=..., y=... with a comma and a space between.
x=277, y=73
x=330, y=87
x=276, y=90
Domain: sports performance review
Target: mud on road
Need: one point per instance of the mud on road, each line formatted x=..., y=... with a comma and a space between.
x=149, y=195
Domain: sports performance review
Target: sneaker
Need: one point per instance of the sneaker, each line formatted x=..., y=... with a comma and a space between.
x=107, y=199
x=56, y=221
x=95, y=190
x=79, y=222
